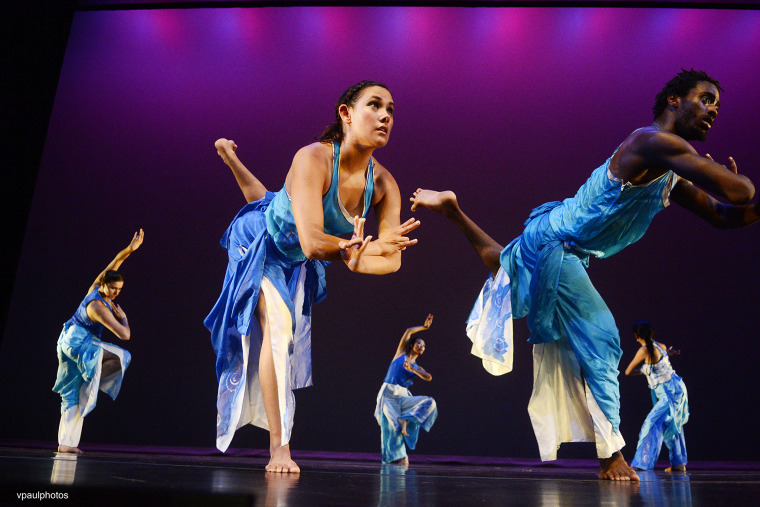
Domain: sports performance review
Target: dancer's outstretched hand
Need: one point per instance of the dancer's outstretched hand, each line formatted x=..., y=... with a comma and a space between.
x=137, y=240
x=225, y=148
x=396, y=239
x=428, y=321
x=731, y=161
x=352, y=250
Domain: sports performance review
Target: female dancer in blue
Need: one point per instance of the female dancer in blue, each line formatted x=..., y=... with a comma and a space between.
x=278, y=245
x=86, y=364
x=399, y=414
x=671, y=403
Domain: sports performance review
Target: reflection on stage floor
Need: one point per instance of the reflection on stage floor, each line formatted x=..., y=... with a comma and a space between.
x=167, y=476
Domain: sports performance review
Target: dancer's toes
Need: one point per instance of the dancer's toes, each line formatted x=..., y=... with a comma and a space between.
x=676, y=468
x=615, y=468
x=280, y=462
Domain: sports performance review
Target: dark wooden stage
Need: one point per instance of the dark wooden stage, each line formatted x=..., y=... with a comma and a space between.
x=168, y=476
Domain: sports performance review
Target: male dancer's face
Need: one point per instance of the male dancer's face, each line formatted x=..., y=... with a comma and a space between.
x=697, y=111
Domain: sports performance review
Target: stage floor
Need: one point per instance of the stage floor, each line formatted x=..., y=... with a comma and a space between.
x=187, y=477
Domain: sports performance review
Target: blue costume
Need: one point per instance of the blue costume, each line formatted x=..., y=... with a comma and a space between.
x=265, y=255
x=665, y=421
x=576, y=343
x=79, y=370
x=394, y=401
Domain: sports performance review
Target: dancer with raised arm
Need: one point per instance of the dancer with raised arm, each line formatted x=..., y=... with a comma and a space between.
x=665, y=421
x=85, y=363
x=278, y=245
x=576, y=342
x=399, y=414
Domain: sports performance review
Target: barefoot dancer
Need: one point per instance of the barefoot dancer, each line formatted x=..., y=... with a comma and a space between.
x=86, y=364
x=576, y=343
x=399, y=414
x=277, y=244
x=671, y=403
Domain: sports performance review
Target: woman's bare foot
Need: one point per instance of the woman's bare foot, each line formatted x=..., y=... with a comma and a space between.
x=615, y=468
x=443, y=202
x=280, y=462
x=402, y=423
x=70, y=450
x=402, y=461
x=676, y=468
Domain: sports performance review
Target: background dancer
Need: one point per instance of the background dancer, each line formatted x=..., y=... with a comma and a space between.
x=85, y=363
x=671, y=403
x=399, y=414
x=278, y=244
x=576, y=342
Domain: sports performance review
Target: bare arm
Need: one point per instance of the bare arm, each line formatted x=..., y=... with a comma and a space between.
x=115, y=321
x=419, y=371
x=409, y=332
x=705, y=206
x=308, y=178
x=137, y=240
x=666, y=151
x=641, y=354
x=252, y=188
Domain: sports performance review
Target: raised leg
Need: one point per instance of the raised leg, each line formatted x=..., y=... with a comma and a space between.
x=252, y=188
x=446, y=204
x=280, y=460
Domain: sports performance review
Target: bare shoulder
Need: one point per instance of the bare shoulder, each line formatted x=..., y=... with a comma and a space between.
x=384, y=181
x=319, y=153
x=644, y=154
x=311, y=162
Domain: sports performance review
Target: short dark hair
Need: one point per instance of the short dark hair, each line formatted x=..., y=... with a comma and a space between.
x=680, y=86
x=111, y=276
x=334, y=131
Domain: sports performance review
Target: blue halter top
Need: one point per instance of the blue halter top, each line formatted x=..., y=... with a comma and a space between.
x=279, y=215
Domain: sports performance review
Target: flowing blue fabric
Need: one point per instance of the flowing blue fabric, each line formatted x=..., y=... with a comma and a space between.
x=664, y=423
x=262, y=240
x=548, y=279
x=79, y=352
x=394, y=402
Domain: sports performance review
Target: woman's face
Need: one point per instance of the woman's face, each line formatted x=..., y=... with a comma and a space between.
x=370, y=119
x=419, y=346
x=111, y=289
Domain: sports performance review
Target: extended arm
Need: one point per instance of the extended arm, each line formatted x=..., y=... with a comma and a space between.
x=252, y=188
x=641, y=354
x=705, y=206
x=670, y=152
x=410, y=331
x=115, y=321
x=137, y=240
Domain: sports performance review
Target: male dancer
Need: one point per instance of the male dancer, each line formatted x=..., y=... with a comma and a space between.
x=577, y=347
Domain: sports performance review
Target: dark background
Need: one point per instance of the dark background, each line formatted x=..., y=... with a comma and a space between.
x=509, y=107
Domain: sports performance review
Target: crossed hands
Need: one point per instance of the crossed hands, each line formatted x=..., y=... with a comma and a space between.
x=352, y=250
x=392, y=241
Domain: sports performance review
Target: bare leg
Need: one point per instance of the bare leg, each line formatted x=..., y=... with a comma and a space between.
x=252, y=188
x=446, y=204
x=402, y=423
x=676, y=468
x=615, y=468
x=110, y=364
x=280, y=460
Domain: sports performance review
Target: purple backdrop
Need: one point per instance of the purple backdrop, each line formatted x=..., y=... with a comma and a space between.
x=508, y=107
